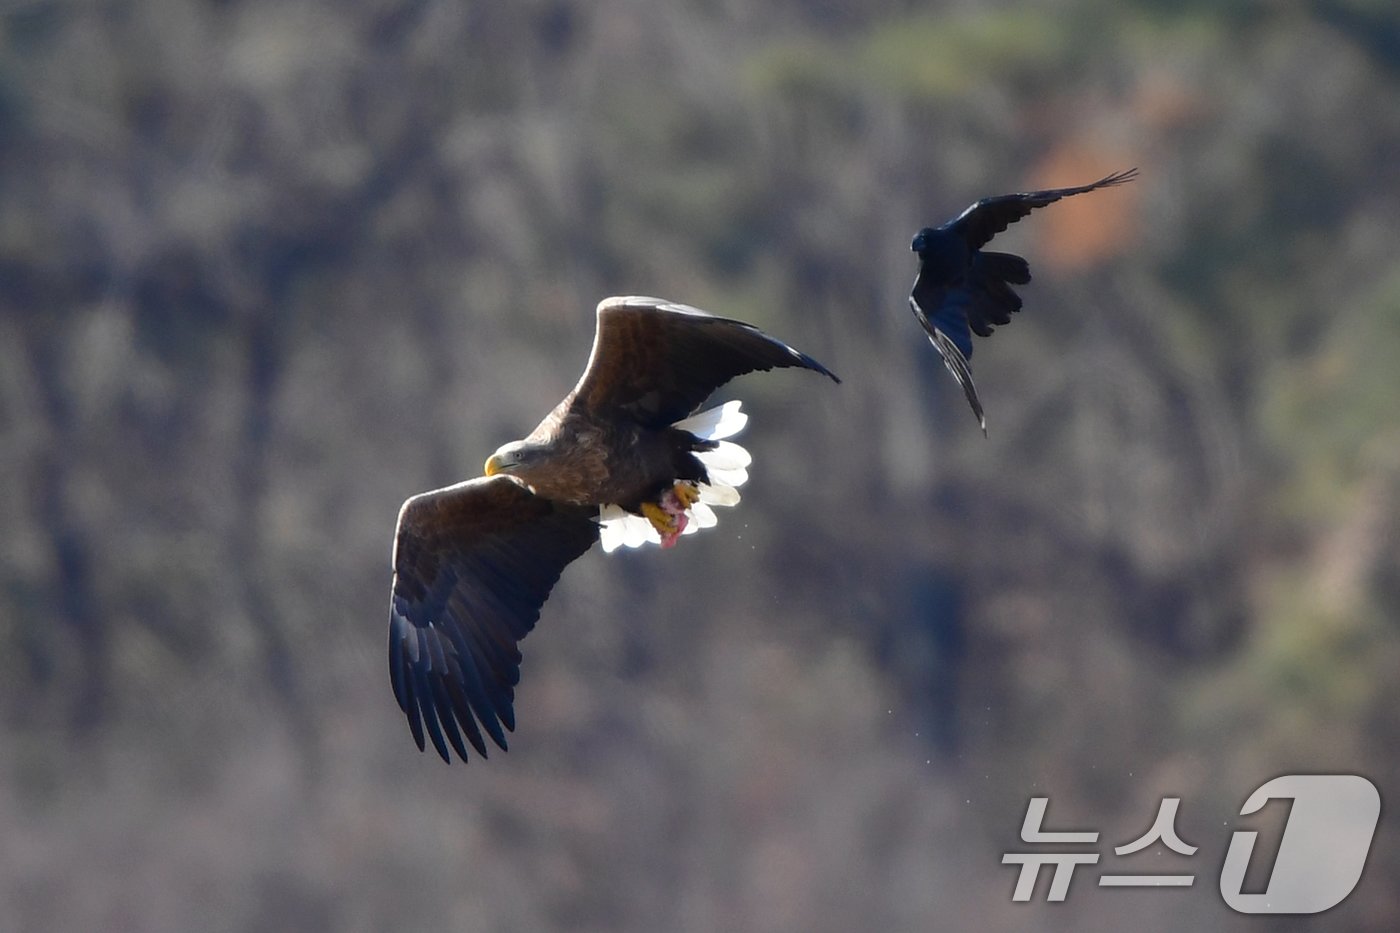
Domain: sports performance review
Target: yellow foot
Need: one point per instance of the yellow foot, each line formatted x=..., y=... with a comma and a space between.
x=663, y=521
x=687, y=494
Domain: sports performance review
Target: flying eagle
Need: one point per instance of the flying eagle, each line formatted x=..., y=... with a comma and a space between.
x=623, y=457
x=962, y=289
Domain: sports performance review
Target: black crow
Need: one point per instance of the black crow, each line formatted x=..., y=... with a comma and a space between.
x=962, y=289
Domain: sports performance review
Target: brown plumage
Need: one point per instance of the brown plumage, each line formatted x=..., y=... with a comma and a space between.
x=474, y=562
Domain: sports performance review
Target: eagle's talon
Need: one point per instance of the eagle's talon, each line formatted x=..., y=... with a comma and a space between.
x=667, y=516
x=686, y=494
x=661, y=519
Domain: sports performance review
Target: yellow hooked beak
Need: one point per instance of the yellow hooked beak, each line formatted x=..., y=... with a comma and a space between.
x=493, y=465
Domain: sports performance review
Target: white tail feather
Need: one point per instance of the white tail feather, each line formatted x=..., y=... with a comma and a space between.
x=702, y=516
x=726, y=496
x=715, y=423
x=726, y=456
x=623, y=529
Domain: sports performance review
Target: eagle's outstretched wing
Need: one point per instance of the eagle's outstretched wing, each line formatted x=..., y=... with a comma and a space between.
x=473, y=564
x=655, y=361
x=990, y=216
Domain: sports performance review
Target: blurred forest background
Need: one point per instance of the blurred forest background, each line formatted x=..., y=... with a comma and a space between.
x=268, y=267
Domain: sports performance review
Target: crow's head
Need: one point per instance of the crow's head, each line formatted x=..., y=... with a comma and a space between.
x=921, y=239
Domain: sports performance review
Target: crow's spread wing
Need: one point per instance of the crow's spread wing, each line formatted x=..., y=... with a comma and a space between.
x=990, y=216
x=948, y=346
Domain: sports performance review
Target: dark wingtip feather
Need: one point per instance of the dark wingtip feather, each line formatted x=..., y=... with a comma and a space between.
x=429, y=711
x=415, y=723
x=397, y=662
x=462, y=709
x=486, y=706
x=799, y=358
x=1117, y=178
x=490, y=721
x=448, y=721
x=814, y=366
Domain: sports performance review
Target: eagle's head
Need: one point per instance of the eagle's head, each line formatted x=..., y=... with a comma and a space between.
x=517, y=458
